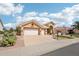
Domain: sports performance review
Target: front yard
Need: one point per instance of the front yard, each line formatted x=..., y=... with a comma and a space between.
x=12, y=41
x=62, y=37
x=37, y=45
x=42, y=47
x=65, y=37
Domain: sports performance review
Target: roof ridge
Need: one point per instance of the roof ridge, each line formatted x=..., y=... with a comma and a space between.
x=35, y=21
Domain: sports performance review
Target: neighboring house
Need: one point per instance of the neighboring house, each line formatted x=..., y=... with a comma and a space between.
x=33, y=27
x=62, y=30
x=1, y=26
x=76, y=31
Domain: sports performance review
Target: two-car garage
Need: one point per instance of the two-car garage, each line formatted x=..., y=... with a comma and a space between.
x=30, y=32
x=33, y=28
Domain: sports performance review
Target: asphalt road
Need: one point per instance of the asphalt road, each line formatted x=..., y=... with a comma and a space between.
x=72, y=50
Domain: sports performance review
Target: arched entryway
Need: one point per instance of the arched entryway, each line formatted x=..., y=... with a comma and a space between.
x=50, y=30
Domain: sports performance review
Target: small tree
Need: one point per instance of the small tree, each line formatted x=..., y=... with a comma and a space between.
x=70, y=32
x=11, y=30
x=18, y=30
x=76, y=25
x=57, y=34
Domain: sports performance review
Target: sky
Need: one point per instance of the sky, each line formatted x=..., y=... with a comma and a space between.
x=62, y=14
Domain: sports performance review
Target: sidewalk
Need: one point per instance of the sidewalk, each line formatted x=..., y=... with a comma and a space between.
x=39, y=49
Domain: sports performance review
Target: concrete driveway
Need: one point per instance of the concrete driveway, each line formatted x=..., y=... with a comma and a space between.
x=39, y=48
x=34, y=40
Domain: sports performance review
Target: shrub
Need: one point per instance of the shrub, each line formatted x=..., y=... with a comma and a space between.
x=9, y=39
x=4, y=43
x=1, y=32
x=70, y=32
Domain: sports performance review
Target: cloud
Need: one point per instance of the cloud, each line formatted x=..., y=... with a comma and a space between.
x=65, y=17
x=44, y=17
x=30, y=14
x=44, y=14
x=19, y=19
x=40, y=19
x=18, y=8
x=10, y=25
x=10, y=9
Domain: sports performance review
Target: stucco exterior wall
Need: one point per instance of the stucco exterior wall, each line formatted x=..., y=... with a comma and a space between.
x=32, y=26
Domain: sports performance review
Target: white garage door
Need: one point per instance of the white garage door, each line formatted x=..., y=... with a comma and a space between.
x=30, y=32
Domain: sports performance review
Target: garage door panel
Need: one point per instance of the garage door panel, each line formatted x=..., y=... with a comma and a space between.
x=30, y=32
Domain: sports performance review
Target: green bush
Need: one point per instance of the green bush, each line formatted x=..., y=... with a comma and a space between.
x=1, y=32
x=18, y=30
x=4, y=43
x=11, y=42
x=9, y=39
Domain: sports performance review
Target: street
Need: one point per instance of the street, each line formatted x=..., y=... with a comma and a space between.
x=72, y=50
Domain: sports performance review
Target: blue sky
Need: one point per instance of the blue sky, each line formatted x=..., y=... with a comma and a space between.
x=60, y=13
x=50, y=7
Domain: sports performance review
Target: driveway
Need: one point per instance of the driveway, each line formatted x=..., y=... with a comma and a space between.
x=34, y=40
x=39, y=48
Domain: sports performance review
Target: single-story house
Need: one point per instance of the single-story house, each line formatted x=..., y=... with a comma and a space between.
x=76, y=31
x=33, y=27
x=63, y=30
